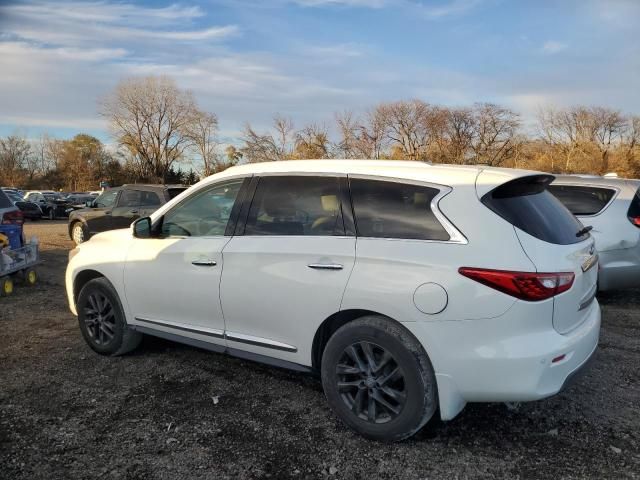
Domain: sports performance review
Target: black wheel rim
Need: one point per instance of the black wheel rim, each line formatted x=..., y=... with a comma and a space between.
x=99, y=318
x=371, y=383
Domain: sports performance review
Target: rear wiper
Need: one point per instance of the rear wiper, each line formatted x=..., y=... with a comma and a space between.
x=584, y=231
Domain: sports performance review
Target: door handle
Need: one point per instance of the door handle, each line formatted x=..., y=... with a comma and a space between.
x=325, y=266
x=204, y=263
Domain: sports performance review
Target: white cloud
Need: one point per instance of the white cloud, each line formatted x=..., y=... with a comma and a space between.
x=553, y=46
x=447, y=9
x=345, y=3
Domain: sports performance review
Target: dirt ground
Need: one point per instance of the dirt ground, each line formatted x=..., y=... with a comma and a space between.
x=170, y=411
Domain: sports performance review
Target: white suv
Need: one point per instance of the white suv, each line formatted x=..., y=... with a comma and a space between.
x=407, y=286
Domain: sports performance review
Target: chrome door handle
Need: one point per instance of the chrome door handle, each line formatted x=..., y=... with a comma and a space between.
x=204, y=263
x=325, y=266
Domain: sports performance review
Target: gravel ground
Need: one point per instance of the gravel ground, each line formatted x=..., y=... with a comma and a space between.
x=171, y=411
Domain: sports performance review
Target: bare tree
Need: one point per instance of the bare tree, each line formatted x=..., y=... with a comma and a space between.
x=495, y=130
x=312, y=142
x=406, y=126
x=151, y=116
x=267, y=147
x=15, y=152
x=202, y=132
x=608, y=127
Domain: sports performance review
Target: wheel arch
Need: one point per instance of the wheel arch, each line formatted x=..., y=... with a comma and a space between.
x=82, y=278
x=332, y=323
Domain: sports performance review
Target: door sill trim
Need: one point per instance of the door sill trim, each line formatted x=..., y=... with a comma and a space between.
x=259, y=342
x=207, y=332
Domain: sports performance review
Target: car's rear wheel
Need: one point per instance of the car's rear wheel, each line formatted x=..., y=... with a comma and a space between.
x=378, y=379
x=78, y=233
x=102, y=321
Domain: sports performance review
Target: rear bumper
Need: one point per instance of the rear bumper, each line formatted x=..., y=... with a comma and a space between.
x=490, y=361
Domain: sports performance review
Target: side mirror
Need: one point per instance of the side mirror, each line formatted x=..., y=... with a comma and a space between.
x=142, y=228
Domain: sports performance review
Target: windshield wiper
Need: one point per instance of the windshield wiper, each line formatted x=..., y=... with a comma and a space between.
x=584, y=231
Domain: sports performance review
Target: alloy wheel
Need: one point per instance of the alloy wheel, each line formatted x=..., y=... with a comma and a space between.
x=78, y=233
x=371, y=383
x=99, y=318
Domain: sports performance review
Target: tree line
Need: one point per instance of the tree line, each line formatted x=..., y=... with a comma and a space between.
x=158, y=129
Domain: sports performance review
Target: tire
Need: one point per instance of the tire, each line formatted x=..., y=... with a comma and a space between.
x=93, y=312
x=6, y=286
x=78, y=233
x=29, y=277
x=411, y=393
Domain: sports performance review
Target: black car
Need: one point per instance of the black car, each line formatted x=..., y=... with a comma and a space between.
x=51, y=203
x=29, y=210
x=118, y=208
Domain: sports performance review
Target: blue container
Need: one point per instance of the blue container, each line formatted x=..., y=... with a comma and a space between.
x=14, y=233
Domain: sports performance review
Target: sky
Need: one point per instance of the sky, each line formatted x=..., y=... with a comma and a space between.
x=247, y=60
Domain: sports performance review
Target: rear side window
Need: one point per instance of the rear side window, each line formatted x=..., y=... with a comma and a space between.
x=395, y=210
x=527, y=204
x=583, y=200
x=296, y=205
x=4, y=201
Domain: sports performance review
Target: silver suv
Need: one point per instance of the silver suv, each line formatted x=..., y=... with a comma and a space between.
x=612, y=207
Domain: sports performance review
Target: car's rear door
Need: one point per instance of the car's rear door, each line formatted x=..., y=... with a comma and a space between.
x=286, y=269
x=554, y=240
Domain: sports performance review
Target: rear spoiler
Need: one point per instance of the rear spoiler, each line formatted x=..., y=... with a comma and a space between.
x=510, y=182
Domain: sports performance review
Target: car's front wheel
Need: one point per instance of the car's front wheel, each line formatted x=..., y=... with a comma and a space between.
x=102, y=321
x=78, y=233
x=378, y=379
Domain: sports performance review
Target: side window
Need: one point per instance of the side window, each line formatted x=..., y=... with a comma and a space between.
x=581, y=200
x=395, y=210
x=296, y=205
x=203, y=214
x=107, y=199
x=129, y=198
x=149, y=199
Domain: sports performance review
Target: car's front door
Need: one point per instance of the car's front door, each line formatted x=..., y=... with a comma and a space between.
x=287, y=271
x=172, y=281
x=98, y=217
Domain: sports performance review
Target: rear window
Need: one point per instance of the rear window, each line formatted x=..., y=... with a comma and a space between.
x=582, y=200
x=395, y=210
x=528, y=205
x=4, y=200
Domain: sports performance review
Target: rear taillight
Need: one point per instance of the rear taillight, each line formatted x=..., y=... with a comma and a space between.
x=635, y=221
x=13, y=218
x=528, y=286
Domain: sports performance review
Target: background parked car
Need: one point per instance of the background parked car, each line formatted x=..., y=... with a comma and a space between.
x=51, y=203
x=29, y=210
x=78, y=201
x=612, y=207
x=118, y=207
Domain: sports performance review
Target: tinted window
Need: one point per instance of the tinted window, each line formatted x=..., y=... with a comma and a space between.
x=395, y=210
x=129, y=198
x=582, y=200
x=107, y=199
x=175, y=191
x=149, y=199
x=203, y=214
x=527, y=204
x=634, y=208
x=4, y=200
x=296, y=205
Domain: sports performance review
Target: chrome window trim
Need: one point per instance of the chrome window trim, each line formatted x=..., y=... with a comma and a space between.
x=455, y=235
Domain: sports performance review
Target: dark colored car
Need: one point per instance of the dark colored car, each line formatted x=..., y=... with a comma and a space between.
x=51, y=203
x=78, y=201
x=30, y=210
x=118, y=208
